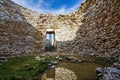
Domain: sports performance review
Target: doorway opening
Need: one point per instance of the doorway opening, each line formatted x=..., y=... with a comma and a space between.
x=50, y=41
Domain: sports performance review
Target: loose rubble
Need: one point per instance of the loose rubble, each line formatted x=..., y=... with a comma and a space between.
x=2, y=59
x=108, y=73
x=73, y=59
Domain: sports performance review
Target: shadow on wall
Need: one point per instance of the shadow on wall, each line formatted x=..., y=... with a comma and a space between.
x=17, y=36
x=99, y=33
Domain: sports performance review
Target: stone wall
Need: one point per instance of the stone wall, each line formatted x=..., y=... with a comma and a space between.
x=17, y=35
x=98, y=23
x=99, y=32
x=93, y=29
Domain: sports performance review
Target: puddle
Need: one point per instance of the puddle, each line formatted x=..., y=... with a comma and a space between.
x=60, y=73
x=71, y=71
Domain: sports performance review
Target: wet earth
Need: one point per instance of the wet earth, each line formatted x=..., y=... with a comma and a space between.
x=69, y=69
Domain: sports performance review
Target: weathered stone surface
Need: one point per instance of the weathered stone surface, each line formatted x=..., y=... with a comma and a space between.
x=64, y=74
x=2, y=59
x=93, y=29
x=108, y=73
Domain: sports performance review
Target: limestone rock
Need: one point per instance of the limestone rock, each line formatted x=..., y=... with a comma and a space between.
x=90, y=30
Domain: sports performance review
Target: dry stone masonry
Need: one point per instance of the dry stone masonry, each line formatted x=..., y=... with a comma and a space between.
x=93, y=29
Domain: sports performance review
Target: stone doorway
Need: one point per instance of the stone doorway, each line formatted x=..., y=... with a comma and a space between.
x=50, y=41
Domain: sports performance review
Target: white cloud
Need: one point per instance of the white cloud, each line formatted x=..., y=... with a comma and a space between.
x=64, y=10
x=42, y=6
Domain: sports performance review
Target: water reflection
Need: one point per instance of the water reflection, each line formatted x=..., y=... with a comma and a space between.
x=60, y=74
x=64, y=74
x=71, y=70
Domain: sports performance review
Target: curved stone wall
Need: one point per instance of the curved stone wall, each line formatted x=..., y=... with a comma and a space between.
x=93, y=29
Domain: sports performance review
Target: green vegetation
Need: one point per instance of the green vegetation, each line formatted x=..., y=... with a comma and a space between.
x=22, y=68
x=29, y=67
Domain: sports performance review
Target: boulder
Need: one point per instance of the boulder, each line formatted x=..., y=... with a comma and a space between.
x=2, y=59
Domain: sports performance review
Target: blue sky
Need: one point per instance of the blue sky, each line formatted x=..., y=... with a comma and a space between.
x=51, y=6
